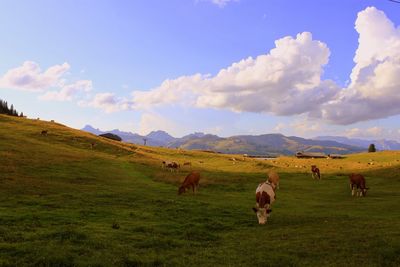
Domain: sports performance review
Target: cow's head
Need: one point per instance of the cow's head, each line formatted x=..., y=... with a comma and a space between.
x=364, y=191
x=181, y=190
x=262, y=214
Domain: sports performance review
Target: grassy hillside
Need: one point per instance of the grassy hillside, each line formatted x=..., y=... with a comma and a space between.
x=65, y=204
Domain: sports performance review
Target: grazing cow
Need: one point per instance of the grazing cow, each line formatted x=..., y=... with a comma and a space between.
x=265, y=196
x=171, y=165
x=357, y=181
x=44, y=132
x=191, y=180
x=273, y=179
x=315, y=172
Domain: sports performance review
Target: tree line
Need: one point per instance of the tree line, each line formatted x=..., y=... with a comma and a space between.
x=4, y=109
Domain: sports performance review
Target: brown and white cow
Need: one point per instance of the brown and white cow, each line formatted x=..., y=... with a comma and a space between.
x=265, y=196
x=191, y=180
x=171, y=165
x=315, y=173
x=273, y=178
x=357, y=182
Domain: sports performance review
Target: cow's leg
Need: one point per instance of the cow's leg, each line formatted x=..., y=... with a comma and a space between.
x=353, y=191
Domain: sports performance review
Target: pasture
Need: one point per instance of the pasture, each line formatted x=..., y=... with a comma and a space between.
x=63, y=203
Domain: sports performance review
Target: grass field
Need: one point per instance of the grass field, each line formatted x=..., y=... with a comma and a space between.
x=64, y=204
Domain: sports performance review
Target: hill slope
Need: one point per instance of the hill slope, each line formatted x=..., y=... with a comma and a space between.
x=65, y=204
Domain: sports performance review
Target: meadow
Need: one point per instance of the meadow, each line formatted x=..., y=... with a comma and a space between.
x=65, y=204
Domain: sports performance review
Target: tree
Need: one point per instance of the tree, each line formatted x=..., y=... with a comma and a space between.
x=4, y=109
x=371, y=148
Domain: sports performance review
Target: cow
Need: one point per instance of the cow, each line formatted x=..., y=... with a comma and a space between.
x=191, y=180
x=92, y=145
x=357, y=181
x=187, y=163
x=44, y=132
x=273, y=179
x=265, y=196
x=315, y=173
x=171, y=165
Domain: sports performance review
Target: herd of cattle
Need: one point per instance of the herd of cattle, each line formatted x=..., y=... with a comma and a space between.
x=266, y=191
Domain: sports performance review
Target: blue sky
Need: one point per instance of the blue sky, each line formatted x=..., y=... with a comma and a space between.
x=109, y=61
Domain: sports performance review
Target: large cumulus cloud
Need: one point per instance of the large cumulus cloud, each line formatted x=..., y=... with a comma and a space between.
x=374, y=91
x=283, y=82
x=287, y=80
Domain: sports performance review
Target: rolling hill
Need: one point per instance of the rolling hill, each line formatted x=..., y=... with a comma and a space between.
x=64, y=203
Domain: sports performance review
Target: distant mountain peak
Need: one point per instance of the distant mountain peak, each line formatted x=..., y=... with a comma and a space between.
x=160, y=136
x=91, y=129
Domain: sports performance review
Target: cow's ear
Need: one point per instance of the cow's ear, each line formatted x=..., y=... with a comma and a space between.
x=254, y=209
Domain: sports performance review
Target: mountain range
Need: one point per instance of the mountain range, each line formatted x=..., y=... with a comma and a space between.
x=380, y=144
x=265, y=144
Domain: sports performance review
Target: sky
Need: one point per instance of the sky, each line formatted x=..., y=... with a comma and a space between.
x=227, y=67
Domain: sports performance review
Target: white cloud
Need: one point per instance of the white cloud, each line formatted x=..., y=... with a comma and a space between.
x=374, y=91
x=221, y=3
x=30, y=77
x=372, y=132
x=285, y=81
x=279, y=127
x=305, y=127
x=154, y=121
x=67, y=92
x=108, y=102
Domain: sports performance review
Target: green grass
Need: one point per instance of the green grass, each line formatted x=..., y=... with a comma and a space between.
x=59, y=201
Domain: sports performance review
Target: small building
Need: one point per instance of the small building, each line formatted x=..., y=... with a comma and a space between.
x=335, y=156
x=310, y=155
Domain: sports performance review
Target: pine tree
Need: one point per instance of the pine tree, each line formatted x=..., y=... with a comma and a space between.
x=9, y=111
x=371, y=148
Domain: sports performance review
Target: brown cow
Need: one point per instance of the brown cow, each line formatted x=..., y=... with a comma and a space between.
x=357, y=181
x=315, y=173
x=191, y=180
x=273, y=178
x=44, y=132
